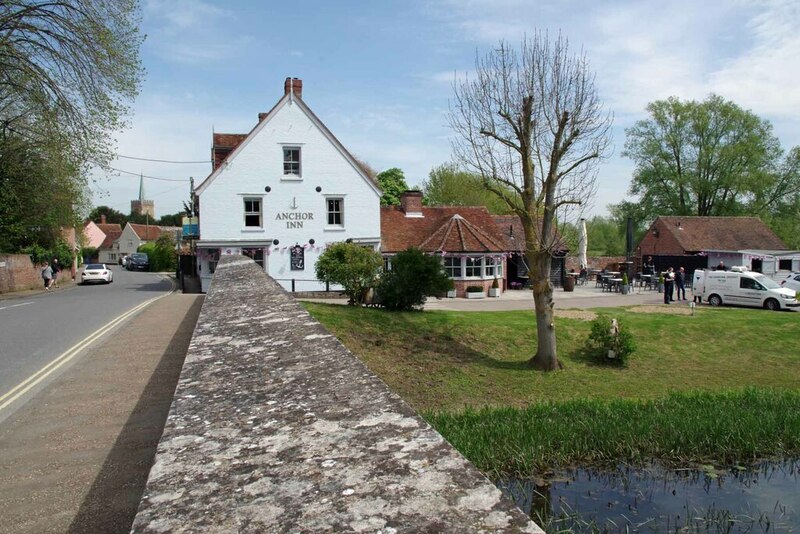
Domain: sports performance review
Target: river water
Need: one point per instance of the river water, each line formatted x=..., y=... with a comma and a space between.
x=760, y=498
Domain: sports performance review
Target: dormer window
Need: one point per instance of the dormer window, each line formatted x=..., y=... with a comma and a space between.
x=291, y=161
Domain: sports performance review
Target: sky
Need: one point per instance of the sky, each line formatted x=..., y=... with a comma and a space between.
x=380, y=73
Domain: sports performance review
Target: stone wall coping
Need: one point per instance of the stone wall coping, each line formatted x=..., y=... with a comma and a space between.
x=276, y=427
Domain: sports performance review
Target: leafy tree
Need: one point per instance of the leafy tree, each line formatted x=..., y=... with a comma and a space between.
x=176, y=219
x=531, y=122
x=70, y=67
x=707, y=158
x=351, y=266
x=447, y=185
x=112, y=216
x=604, y=237
x=161, y=253
x=37, y=194
x=393, y=183
x=414, y=276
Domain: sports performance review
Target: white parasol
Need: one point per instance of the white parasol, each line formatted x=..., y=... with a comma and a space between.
x=582, y=243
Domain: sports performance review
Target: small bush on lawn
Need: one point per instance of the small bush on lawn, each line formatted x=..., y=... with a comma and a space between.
x=609, y=342
x=413, y=277
x=351, y=266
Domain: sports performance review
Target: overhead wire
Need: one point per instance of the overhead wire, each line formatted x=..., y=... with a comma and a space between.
x=163, y=160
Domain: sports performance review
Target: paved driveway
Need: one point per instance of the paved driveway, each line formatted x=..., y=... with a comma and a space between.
x=587, y=296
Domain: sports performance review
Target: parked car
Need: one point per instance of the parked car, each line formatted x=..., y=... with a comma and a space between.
x=745, y=288
x=124, y=261
x=792, y=282
x=97, y=273
x=138, y=261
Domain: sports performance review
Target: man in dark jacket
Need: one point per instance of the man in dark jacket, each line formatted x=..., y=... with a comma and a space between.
x=680, y=284
x=56, y=266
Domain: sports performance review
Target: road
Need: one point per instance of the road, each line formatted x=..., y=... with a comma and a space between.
x=35, y=330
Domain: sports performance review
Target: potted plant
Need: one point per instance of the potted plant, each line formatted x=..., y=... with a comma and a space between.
x=660, y=283
x=495, y=289
x=475, y=292
x=625, y=287
x=451, y=293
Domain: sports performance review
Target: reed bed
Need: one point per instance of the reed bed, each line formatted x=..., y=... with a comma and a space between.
x=721, y=428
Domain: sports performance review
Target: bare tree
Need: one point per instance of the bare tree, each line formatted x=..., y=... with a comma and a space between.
x=531, y=122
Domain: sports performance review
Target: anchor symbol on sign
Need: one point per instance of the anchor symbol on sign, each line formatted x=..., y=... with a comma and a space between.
x=294, y=203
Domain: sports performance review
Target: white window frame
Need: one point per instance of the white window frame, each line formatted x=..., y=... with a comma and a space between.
x=246, y=213
x=448, y=268
x=493, y=267
x=479, y=267
x=288, y=174
x=328, y=212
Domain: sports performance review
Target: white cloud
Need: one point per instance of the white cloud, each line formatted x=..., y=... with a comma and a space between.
x=765, y=77
x=191, y=32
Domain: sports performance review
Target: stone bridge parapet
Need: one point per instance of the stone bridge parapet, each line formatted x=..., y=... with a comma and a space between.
x=277, y=427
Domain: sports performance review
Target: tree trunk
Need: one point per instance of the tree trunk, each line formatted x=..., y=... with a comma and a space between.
x=546, y=357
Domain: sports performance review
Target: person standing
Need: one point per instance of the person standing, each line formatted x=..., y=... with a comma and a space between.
x=669, y=285
x=47, y=275
x=649, y=266
x=680, y=284
x=56, y=267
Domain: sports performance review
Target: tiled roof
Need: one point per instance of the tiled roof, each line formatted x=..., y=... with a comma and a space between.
x=111, y=236
x=721, y=233
x=452, y=229
x=513, y=233
x=151, y=232
x=109, y=227
x=224, y=144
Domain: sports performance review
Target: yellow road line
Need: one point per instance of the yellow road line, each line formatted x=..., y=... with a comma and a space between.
x=37, y=377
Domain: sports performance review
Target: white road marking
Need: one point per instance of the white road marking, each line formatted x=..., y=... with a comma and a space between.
x=37, y=377
x=15, y=305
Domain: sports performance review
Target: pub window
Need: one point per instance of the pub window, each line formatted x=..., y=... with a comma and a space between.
x=252, y=213
x=291, y=161
x=474, y=267
x=785, y=265
x=492, y=267
x=335, y=212
x=387, y=264
x=452, y=266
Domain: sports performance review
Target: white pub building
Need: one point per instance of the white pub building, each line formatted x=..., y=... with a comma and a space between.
x=281, y=193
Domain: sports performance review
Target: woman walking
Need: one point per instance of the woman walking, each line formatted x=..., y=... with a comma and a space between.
x=47, y=275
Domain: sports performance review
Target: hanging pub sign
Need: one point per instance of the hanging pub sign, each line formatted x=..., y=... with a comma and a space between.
x=297, y=258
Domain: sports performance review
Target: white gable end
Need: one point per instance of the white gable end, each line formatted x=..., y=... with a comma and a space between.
x=295, y=209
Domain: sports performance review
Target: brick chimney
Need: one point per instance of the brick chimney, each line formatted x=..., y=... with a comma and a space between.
x=411, y=203
x=295, y=85
x=102, y=219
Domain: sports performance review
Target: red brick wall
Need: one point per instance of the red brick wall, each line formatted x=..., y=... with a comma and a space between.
x=17, y=273
x=461, y=286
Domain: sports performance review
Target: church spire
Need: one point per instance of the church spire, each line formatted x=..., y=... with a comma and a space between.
x=141, y=188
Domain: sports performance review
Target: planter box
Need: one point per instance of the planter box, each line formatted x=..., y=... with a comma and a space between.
x=625, y=289
x=494, y=292
x=475, y=295
x=451, y=294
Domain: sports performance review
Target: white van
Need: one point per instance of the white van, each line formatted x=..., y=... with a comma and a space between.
x=745, y=288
